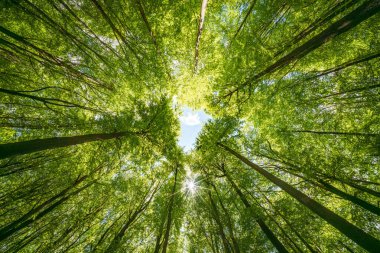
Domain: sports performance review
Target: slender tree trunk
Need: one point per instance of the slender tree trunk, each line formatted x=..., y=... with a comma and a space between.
x=216, y=215
x=290, y=226
x=347, y=64
x=285, y=233
x=335, y=133
x=326, y=17
x=87, y=28
x=145, y=19
x=229, y=222
x=115, y=243
x=365, y=240
x=10, y=230
x=346, y=247
x=291, y=242
x=119, y=236
x=362, y=188
x=170, y=214
x=13, y=226
x=325, y=176
x=27, y=147
x=42, y=54
x=352, y=184
x=330, y=188
x=357, y=89
x=104, y=235
x=364, y=204
x=270, y=235
x=200, y=29
x=281, y=248
x=363, y=12
x=48, y=20
x=158, y=238
x=50, y=101
x=245, y=18
x=117, y=32
x=30, y=238
x=209, y=240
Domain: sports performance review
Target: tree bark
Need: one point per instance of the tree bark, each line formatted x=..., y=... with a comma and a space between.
x=27, y=147
x=363, y=12
x=115, y=243
x=363, y=239
x=330, y=188
x=334, y=133
x=245, y=18
x=200, y=29
x=281, y=248
x=27, y=220
x=170, y=214
x=346, y=65
x=117, y=33
x=37, y=209
x=290, y=226
x=215, y=213
x=364, y=204
x=157, y=247
x=323, y=175
x=145, y=19
x=270, y=235
x=229, y=222
x=50, y=101
x=326, y=17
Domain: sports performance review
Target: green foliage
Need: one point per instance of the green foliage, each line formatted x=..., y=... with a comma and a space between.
x=75, y=68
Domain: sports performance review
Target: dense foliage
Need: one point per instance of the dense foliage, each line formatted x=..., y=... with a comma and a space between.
x=91, y=92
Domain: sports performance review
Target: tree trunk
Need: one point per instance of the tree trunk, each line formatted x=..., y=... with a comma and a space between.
x=323, y=175
x=27, y=147
x=363, y=12
x=334, y=133
x=170, y=214
x=119, y=236
x=326, y=17
x=330, y=188
x=276, y=243
x=245, y=18
x=115, y=243
x=50, y=101
x=117, y=32
x=365, y=240
x=24, y=222
x=229, y=222
x=144, y=17
x=271, y=236
x=346, y=65
x=364, y=204
x=13, y=226
x=200, y=29
x=215, y=213
x=290, y=226
x=158, y=238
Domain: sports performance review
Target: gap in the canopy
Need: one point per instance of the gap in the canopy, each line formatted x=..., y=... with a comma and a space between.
x=192, y=122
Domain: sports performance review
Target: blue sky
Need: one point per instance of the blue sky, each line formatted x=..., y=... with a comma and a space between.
x=191, y=124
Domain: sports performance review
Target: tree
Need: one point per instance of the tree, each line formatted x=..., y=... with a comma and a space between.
x=91, y=100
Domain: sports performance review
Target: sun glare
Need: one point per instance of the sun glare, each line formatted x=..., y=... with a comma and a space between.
x=190, y=186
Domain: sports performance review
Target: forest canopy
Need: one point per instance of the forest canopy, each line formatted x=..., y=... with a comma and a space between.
x=91, y=92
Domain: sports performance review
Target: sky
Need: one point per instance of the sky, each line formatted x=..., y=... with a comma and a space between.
x=191, y=124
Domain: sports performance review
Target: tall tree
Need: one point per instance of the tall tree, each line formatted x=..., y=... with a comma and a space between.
x=365, y=240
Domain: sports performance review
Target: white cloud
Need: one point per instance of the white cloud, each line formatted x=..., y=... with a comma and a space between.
x=191, y=119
